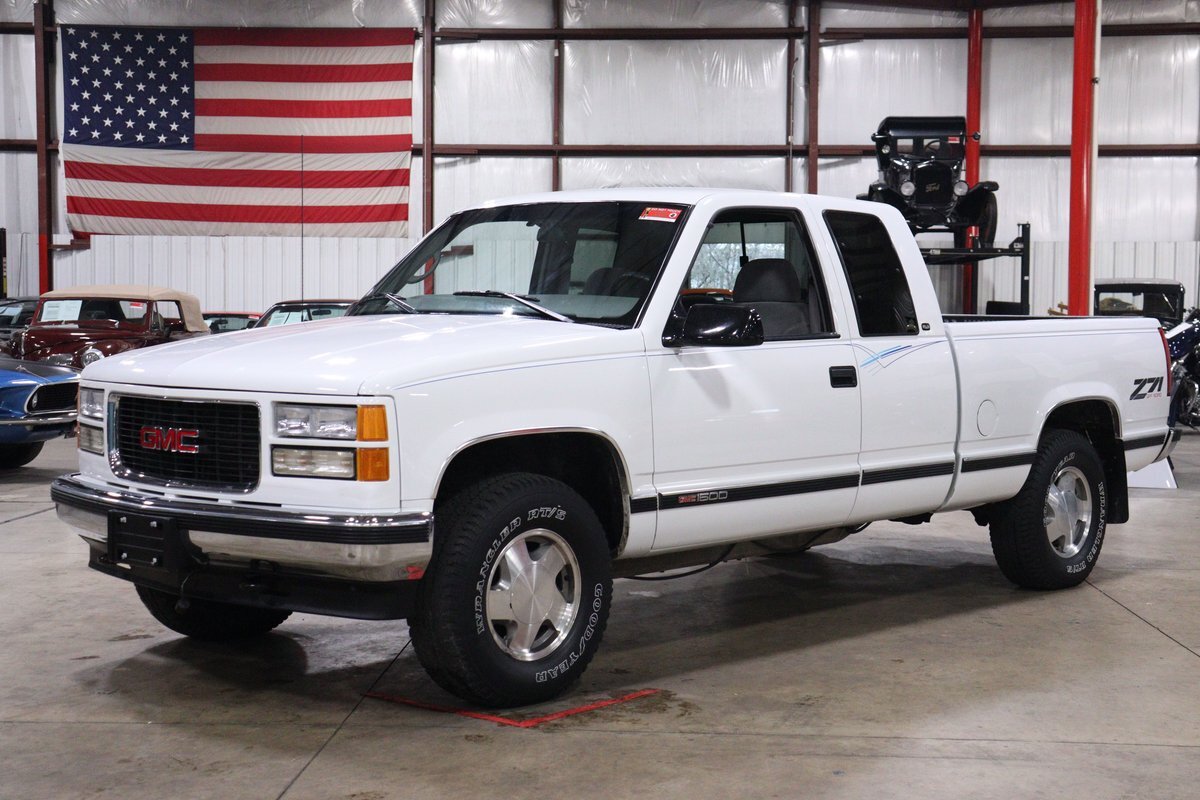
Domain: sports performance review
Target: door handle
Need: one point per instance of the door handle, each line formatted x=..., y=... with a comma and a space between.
x=843, y=377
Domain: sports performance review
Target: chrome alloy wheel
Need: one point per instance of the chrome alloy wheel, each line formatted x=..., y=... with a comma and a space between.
x=533, y=594
x=1068, y=512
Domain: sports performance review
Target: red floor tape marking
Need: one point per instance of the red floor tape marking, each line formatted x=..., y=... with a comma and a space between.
x=515, y=723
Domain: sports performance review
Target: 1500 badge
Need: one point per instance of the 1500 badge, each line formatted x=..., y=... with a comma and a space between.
x=1146, y=387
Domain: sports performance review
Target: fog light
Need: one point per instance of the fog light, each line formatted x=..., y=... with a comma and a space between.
x=908, y=188
x=373, y=464
x=314, y=463
x=91, y=439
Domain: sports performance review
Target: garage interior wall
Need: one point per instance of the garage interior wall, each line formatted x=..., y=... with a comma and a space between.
x=703, y=92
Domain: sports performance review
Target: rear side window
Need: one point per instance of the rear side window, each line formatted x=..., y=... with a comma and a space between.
x=882, y=299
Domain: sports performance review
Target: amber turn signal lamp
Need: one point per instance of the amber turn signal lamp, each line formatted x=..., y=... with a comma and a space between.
x=372, y=424
x=373, y=464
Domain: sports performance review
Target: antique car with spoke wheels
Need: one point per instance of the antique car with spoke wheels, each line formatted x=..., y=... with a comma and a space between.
x=920, y=174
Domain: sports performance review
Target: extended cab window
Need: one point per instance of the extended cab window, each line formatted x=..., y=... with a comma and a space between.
x=760, y=258
x=882, y=299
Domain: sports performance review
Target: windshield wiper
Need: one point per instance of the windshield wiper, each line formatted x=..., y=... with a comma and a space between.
x=395, y=299
x=525, y=301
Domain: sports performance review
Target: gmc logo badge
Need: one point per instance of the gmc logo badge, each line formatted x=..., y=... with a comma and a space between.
x=171, y=440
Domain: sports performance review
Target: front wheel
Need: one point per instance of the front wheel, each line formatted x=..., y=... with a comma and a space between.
x=514, y=603
x=1049, y=535
x=13, y=456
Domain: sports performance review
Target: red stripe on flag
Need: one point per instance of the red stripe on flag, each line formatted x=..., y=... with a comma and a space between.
x=242, y=178
x=202, y=212
x=308, y=109
x=305, y=37
x=305, y=73
x=261, y=143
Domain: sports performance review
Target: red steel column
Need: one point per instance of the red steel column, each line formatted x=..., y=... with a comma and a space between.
x=974, y=103
x=1079, y=258
x=974, y=91
x=813, y=90
x=43, y=52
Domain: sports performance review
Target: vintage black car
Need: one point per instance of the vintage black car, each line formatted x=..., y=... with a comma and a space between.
x=920, y=173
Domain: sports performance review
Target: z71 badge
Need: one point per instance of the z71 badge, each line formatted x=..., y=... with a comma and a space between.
x=1146, y=387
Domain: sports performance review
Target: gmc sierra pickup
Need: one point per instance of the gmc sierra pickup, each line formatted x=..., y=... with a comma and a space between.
x=552, y=391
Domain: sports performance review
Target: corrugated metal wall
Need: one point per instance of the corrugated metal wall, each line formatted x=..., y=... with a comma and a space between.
x=728, y=92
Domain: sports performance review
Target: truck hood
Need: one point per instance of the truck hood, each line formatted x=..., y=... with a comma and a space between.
x=361, y=355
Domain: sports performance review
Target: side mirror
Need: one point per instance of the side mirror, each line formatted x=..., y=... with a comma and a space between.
x=718, y=325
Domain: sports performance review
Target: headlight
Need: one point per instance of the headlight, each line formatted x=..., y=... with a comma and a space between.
x=90, y=356
x=960, y=188
x=317, y=422
x=313, y=463
x=362, y=423
x=91, y=403
x=91, y=439
x=908, y=188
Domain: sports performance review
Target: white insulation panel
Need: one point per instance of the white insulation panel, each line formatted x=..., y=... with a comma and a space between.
x=18, y=100
x=863, y=82
x=735, y=173
x=713, y=92
x=701, y=92
x=494, y=93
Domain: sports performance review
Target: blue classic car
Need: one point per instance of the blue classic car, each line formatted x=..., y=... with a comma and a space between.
x=37, y=402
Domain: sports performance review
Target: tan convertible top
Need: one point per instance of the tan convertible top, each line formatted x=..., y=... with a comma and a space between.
x=193, y=320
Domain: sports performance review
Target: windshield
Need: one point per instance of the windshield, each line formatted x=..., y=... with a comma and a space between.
x=220, y=323
x=104, y=312
x=945, y=148
x=1161, y=304
x=589, y=262
x=286, y=315
x=16, y=315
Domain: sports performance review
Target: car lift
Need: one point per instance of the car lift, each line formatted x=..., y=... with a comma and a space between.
x=968, y=257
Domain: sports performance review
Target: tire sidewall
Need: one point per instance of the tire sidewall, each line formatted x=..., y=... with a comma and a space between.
x=575, y=523
x=1073, y=455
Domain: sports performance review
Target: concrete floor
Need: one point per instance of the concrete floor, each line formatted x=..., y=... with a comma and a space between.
x=897, y=664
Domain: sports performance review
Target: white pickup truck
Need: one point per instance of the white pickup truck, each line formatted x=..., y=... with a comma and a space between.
x=556, y=390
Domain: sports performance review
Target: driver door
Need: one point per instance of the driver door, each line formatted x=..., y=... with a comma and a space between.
x=764, y=439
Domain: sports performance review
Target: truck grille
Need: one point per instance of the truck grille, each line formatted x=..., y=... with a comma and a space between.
x=53, y=397
x=188, y=442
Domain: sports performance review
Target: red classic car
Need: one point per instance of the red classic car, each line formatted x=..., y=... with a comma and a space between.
x=74, y=327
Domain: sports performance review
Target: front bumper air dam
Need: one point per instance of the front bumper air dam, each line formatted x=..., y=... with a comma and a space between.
x=346, y=565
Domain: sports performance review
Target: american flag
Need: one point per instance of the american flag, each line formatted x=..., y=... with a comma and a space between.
x=247, y=131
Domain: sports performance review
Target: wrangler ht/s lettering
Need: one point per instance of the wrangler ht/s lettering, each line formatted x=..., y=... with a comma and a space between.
x=555, y=391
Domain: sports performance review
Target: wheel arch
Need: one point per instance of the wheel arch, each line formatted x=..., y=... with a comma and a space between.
x=585, y=459
x=1099, y=420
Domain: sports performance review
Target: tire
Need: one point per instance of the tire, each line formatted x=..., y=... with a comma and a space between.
x=1049, y=536
x=492, y=625
x=209, y=620
x=13, y=456
x=985, y=223
x=988, y=221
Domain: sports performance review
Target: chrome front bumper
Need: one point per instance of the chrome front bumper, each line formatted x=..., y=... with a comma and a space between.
x=356, y=547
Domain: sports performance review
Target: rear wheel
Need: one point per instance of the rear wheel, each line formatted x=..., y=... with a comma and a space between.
x=209, y=620
x=514, y=603
x=13, y=456
x=1049, y=536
